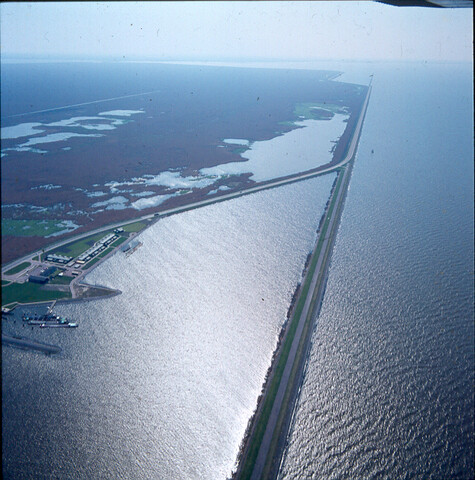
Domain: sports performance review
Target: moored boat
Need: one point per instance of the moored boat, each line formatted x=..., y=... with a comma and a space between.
x=58, y=325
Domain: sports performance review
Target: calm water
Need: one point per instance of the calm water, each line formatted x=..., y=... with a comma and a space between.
x=388, y=391
x=159, y=382
x=310, y=147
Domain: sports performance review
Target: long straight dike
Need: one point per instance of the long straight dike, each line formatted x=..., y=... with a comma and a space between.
x=262, y=452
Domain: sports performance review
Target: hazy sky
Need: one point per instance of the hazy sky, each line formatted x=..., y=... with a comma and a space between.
x=236, y=30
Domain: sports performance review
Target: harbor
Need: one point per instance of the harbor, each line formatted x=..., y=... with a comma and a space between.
x=48, y=320
x=16, y=320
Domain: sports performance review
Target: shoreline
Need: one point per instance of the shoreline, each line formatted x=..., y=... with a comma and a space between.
x=339, y=159
x=262, y=447
x=245, y=446
x=281, y=339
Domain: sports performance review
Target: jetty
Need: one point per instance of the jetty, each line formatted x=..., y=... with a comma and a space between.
x=48, y=320
x=29, y=344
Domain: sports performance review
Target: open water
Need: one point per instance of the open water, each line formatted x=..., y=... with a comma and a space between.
x=160, y=381
x=388, y=391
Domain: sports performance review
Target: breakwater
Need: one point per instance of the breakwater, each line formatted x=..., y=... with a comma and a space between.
x=29, y=344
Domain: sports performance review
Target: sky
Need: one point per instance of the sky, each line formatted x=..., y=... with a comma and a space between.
x=315, y=30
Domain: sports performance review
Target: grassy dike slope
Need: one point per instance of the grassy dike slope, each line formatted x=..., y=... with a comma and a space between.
x=264, y=412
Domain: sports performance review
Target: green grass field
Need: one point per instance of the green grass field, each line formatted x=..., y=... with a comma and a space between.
x=18, y=268
x=118, y=242
x=134, y=227
x=74, y=249
x=60, y=280
x=105, y=252
x=312, y=111
x=317, y=111
x=100, y=256
x=29, y=292
x=92, y=262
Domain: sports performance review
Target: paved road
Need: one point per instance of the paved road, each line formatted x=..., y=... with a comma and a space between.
x=208, y=201
x=307, y=310
x=313, y=298
x=317, y=276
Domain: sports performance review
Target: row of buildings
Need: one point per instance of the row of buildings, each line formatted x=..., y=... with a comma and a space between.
x=98, y=247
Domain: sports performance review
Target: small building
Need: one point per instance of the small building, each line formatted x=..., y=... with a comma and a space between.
x=118, y=230
x=129, y=246
x=49, y=271
x=57, y=258
x=37, y=279
x=91, y=252
x=107, y=239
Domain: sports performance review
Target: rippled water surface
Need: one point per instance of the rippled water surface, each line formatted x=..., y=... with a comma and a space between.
x=160, y=382
x=388, y=391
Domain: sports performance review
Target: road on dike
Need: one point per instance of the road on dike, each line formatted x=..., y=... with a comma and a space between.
x=314, y=296
x=270, y=450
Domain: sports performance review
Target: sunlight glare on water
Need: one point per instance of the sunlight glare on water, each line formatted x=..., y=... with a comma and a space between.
x=160, y=381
